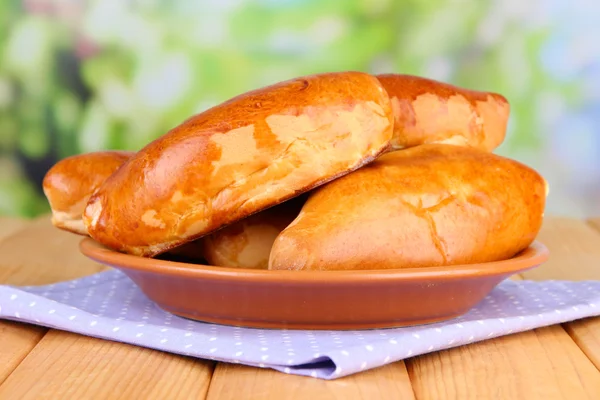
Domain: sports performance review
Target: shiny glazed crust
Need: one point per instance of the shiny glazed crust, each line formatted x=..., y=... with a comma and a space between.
x=428, y=111
x=70, y=182
x=247, y=243
x=430, y=205
x=245, y=155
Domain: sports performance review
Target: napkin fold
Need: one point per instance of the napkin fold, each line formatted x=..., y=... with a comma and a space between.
x=109, y=305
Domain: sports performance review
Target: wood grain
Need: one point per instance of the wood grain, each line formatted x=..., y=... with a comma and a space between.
x=99, y=369
x=525, y=365
x=17, y=339
x=544, y=363
x=9, y=225
x=34, y=253
x=540, y=364
x=42, y=254
x=574, y=251
x=586, y=332
x=93, y=368
x=234, y=381
x=574, y=255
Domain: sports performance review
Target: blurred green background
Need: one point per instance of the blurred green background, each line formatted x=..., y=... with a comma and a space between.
x=80, y=76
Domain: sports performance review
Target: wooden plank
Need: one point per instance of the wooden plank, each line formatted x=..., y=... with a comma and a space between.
x=567, y=365
x=234, y=381
x=10, y=225
x=42, y=254
x=17, y=339
x=586, y=332
x=574, y=251
x=69, y=366
x=390, y=381
x=65, y=365
x=33, y=253
x=540, y=364
x=594, y=223
x=544, y=363
x=575, y=255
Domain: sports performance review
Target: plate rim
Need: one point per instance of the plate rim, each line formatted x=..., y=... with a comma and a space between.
x=534, y=255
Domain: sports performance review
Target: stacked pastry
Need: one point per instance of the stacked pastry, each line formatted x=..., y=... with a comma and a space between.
x=324, y=172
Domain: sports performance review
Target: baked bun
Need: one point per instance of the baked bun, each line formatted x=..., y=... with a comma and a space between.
x=430, y=205
x=70, y=182
x=428, y=111
x=240, y=157
x=247, y=243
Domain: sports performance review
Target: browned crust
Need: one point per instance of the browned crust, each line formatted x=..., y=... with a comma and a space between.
x=70, y=182
x=430, y=205
x=429, y=111
x=243, y=156
x=247, y=243
x=296, y=194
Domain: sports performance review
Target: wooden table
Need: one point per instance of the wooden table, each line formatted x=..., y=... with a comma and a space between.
x=560, y=361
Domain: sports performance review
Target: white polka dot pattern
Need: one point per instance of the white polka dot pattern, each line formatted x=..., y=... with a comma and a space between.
x=108, y=305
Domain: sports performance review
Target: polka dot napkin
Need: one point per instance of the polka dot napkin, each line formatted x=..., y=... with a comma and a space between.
x=108, y=305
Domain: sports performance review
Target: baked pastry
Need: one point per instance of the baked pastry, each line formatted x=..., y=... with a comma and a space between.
x=247, y=243
x=430, y=205
x=240, y=157
x=428, y=111
x=70, y=182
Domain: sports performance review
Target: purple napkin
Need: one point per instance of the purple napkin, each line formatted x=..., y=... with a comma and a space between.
x=109, y=305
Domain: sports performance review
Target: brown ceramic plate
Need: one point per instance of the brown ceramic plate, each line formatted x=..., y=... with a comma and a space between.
x=314, y=299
